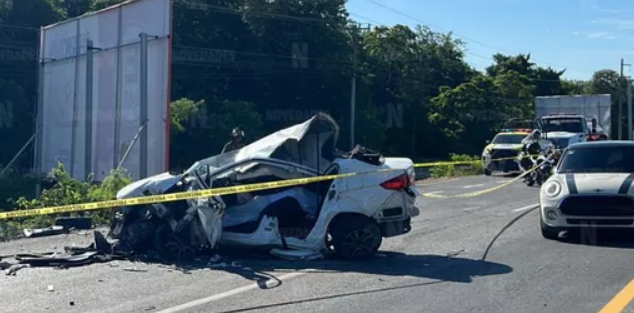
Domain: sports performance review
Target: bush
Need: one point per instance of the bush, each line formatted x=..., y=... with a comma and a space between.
x=66, y=190
x=473, y=167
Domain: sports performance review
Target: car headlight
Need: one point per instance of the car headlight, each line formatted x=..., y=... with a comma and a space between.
x=552, y=189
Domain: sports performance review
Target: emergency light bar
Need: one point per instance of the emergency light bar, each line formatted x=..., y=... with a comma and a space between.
x=519, y=130
x=563, y=114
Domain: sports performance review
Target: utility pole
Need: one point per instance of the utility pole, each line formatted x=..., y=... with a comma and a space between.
x=630, y=130
x=353, y=83
x=620, y=115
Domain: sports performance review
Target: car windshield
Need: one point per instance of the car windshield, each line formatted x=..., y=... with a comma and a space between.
x=598, y=160
x=508, y=139
x=571, y=125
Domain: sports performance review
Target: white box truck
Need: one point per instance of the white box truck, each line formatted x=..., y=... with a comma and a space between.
x=565, y=120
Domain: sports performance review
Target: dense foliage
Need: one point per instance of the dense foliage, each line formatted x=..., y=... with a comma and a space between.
x=239, y=63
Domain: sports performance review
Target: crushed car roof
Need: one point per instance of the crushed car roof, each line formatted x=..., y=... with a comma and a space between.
x=311, y=143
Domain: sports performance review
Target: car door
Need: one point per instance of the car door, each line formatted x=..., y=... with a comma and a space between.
x=244, y=223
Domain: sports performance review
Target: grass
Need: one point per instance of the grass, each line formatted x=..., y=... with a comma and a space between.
x=473, y=167
x=64, y=191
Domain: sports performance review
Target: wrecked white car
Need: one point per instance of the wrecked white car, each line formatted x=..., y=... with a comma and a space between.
x=347, y=216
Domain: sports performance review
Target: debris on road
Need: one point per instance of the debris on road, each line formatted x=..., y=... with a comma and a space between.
x=99, y=251
x=41, y=232
x=455, y=253
x=62, y=225
x=134, y=269
x=14, y=268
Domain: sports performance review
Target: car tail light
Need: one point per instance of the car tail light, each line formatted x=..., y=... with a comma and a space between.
x=397, y=183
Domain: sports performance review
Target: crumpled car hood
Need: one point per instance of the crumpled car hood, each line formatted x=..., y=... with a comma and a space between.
x=158, y=183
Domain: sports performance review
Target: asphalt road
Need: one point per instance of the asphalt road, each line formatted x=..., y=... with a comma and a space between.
x=437, y=267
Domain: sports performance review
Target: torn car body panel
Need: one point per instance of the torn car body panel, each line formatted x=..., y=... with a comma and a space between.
x=297, y=218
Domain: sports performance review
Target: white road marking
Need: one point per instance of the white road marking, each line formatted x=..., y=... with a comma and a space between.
x=501, y=181
x=472, y=186
x=227, y=294
x=524, y=208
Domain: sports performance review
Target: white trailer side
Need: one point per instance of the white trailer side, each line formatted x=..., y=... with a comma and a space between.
x=592, y=106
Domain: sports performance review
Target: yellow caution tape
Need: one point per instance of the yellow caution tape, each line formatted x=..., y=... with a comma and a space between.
x=175, y=196
x=196, y=194
x=479, y=192
x=434, y=164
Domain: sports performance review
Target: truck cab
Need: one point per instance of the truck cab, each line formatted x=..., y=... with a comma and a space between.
x=564, y=129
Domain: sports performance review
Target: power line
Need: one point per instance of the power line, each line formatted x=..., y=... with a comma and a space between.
x=323, y=21
x=335, y=63
x=458, y=35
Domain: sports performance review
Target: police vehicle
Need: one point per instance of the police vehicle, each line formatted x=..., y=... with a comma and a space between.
x=506, y=145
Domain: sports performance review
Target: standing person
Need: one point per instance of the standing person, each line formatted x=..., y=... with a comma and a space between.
x=237, y=141
x=534, y=144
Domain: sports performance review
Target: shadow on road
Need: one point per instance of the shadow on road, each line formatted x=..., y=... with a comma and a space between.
x=439, y=269
x=613, y=238
x=442, y=268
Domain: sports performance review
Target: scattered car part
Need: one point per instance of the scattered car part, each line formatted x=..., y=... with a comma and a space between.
x=41, y=232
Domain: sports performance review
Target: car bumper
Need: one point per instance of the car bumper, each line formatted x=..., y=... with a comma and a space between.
x=566, y=221
x=502, y=166
x=396, y=228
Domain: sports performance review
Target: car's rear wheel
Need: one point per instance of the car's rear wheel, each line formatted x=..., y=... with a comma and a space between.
x=356, y=237
x=548, y=232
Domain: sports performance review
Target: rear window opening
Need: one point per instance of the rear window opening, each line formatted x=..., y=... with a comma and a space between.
x=363, y=154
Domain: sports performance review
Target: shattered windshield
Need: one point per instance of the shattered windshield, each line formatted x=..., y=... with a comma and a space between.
x=213, y=163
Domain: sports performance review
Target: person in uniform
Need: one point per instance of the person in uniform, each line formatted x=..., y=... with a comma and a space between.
x=532, y=145
x=237, y=141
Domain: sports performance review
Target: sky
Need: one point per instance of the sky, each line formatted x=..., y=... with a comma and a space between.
x=581, y=36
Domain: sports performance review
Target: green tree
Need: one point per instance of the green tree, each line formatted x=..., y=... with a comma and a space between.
x=609, y=82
